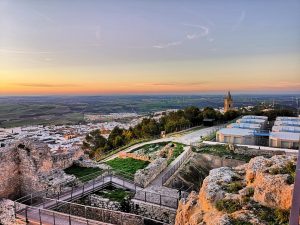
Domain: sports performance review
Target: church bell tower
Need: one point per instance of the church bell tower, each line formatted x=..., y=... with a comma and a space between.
x=228, y=102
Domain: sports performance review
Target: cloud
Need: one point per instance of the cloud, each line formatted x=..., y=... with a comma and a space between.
x=204, y=31
x=177, y=83
x=44, y=85
x=167, y=45
x=16, y=51
x=239, y=21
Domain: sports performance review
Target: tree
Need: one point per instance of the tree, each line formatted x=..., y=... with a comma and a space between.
x=209, y=113
x=193, y=114
x=94, y=140
x=231, y=114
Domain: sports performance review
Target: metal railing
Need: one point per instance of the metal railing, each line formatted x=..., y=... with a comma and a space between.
x=55, y=211
x=34, y=215
x=102, y=181
x=176, y=166
x=157, y=199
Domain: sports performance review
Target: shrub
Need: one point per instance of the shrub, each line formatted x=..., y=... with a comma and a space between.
x=289, y=168
x=234, y=187
x=234, y=221
x=228, y=205
x=271, y=215
x=246, y=198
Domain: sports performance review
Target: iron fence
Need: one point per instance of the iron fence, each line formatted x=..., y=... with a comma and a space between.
x=167, y=175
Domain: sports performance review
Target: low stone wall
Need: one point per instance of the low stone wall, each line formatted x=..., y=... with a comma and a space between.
x=105, y=203
x=94, y=213
x=124, y=155
x=167, y=215
x=144, y=176
x=91, y=164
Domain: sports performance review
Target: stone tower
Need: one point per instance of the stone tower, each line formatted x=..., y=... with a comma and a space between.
x=228, y=102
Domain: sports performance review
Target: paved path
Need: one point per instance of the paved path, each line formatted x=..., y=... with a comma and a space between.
x=47, y=217
x=186, y=139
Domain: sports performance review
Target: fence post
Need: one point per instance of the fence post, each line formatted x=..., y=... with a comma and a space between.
x=53, y=218
x=15, y=209
x=70, y=220
x=72, y=193
x=40, y=216
x=145, y=196
x=26, y=216
x=160, y=200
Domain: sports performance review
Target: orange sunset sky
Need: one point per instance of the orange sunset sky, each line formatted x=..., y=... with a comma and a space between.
x=141, y=47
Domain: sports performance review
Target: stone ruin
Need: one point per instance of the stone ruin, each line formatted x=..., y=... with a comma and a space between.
x=28, y=166
x=144, y=176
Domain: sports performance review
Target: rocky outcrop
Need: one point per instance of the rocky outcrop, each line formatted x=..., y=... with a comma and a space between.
x=27, y=166
x=7, y=214
x=259, y=192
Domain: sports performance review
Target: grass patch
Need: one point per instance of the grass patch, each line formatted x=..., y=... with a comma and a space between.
x=83, y=173
x=177, y=152
x=114, y=194
x=228, y=205
x=289, y=169
x=271, y=215
x=128, y=166
x=222, y=151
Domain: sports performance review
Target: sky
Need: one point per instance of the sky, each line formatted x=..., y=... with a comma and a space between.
x=149, y=47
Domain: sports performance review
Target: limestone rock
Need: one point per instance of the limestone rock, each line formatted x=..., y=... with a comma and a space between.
x=7, y=215
x=251, y=186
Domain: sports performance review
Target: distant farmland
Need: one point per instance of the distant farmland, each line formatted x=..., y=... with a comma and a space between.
x=21, y=111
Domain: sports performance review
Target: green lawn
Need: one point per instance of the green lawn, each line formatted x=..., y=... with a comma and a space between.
x=83, y=173
x=177, y=151
x=114, y=194
x=128, y=166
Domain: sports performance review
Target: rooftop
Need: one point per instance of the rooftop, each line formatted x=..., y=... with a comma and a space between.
x=286, y=129
x=287, y=118
x=260, y=121
x=287, y=123
x=236, y=131
x=285, y=136
x=255, y=117
x=245, y=125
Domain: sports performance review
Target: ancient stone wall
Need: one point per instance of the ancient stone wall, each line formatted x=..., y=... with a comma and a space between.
x=27, y=167
x=124, y=155
x=99, y=214
x=167, y=215
x=63, y=161
x=105, y=203
x=144, y=176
